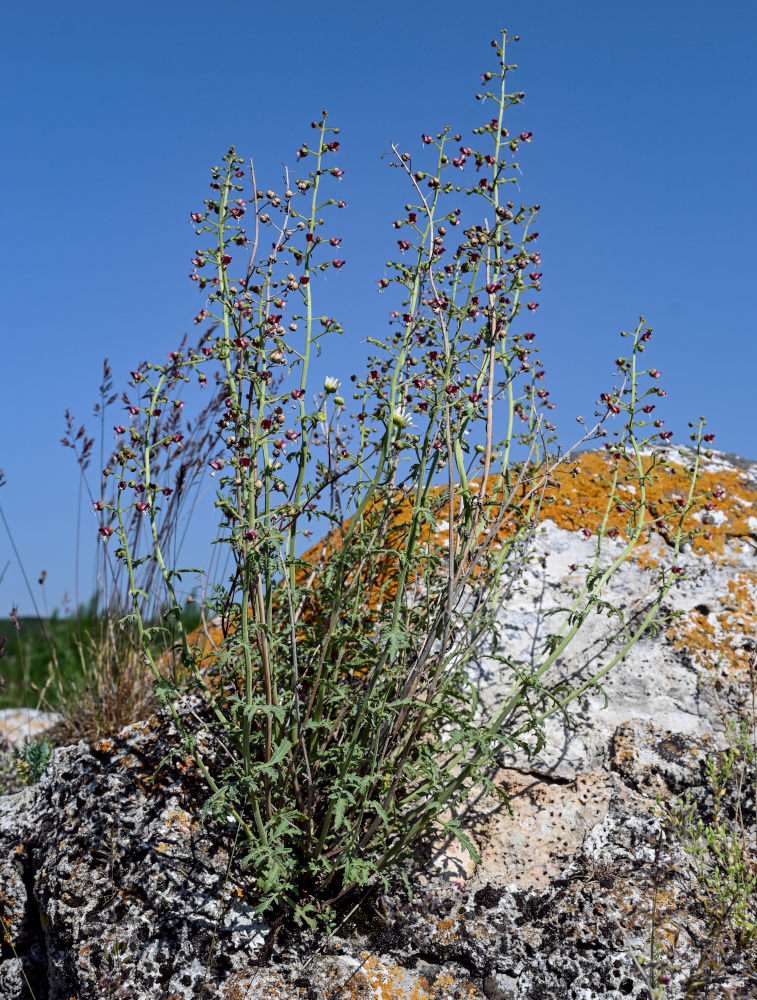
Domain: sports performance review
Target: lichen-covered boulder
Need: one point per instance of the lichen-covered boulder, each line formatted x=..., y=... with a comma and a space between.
x=111, y=887
x=108, y=882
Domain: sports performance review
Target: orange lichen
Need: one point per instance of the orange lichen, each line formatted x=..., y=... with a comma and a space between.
x=642, y=556
x=375, y=981
x=719, y=638
x=446, y=930
x=576, y=496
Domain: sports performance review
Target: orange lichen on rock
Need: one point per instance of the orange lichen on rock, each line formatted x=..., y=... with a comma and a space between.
x=718, y=639
x=375, y=981
x=721, y=503
x=576, y=496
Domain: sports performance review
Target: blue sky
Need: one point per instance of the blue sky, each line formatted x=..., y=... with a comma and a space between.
x=642, y=160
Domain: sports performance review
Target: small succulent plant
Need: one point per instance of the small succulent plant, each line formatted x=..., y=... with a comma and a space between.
x=31, y=761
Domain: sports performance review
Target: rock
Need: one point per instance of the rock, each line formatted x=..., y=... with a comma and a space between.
x=21, y=725
x=110, y=886
x=107, y=874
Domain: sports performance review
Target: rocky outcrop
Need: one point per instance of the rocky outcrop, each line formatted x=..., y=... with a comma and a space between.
x=109, y=882
x=111, y=887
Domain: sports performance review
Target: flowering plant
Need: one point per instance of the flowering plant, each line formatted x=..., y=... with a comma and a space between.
x=342, y=723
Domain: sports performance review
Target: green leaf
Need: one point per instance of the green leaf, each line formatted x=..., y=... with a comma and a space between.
x=280, y=752
x=394, y=640
x=339, y=811
x=460, y=835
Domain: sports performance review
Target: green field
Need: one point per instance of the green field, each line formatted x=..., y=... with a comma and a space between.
x=46, y=660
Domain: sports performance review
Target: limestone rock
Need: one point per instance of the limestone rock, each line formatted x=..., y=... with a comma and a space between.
x=110, y=887
x=19, y=725
x=108, y=881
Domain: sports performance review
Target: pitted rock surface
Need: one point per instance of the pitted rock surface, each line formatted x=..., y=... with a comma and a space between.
x=110, y=887
x=114, y=872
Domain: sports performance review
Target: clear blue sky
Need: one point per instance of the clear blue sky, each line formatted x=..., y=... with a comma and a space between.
x=643, y=161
